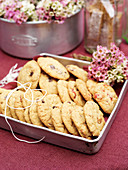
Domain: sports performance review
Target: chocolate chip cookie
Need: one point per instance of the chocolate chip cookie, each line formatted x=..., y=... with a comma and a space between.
x=44, y=109
x=48, y=83
x=30, y=72
x=78, y=72
x=53, y=68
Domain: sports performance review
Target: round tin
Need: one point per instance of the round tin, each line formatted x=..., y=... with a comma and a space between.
x=31, y=38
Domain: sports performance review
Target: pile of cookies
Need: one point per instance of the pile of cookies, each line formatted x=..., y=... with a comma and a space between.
x=73, y=103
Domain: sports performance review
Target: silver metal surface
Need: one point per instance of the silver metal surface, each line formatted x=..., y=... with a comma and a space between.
x=66, y=140
x=31, y=38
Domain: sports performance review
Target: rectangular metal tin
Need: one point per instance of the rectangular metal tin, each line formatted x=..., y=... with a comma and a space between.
x=66, y=140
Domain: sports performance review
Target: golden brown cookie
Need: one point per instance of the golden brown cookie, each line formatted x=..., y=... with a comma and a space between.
x=18, y=104
x=62, y=86
x=79, y=121
x=48, y=83
x=91, y=84
x=27, y=115
x=44, y=109
x=105, y=96
x=34, y=115
x=27, y=101
x=36, y=94
x=57, y=119
x=53, y=68
x=75, y=94
x=3, y=97
x=67, y=109
x=11, y=104
x=30, y=72
x=94, y=117
x=82, y=87
x=78, y=72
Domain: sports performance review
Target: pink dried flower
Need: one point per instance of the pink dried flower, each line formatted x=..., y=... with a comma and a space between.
x=109, y=65
x=40, y=10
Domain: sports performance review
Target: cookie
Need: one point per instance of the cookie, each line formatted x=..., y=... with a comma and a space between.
x=44, y=109
x=34, y=115
x=82, y=87
x=105, y=96
x=30, y=72
x=11, y=104
x=53, y=68
x=18, y=104
x=75, y=94
x=91, y=84
x=3, y=96
x=62, y=86
x=27, y=101
x=79, y=121
x=94, y=117
x=57, y=119
x=29, y=94
x=67, y=109
x=27, y=115
x=48, y=83
x=78, y=72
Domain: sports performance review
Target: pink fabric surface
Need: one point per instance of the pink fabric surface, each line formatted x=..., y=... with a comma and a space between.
x=18, y=155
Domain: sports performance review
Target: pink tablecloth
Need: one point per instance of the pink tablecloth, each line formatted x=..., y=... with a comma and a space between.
x=18, y=155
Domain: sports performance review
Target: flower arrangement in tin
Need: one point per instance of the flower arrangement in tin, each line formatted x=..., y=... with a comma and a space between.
x=39, y=10
x=108, y=65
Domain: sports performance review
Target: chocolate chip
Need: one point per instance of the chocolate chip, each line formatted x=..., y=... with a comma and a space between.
x=72, y=69
x=69, y=102
x=52, y=66
x=31, y=73
x=54, y=107
x=43, y=101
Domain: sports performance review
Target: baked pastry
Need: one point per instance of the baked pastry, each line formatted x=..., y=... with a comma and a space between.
x=44, y=109
x=105, y=96
x=48, y=83
x=75, y=94
x=57, y=118
x=79, y=121
x=62, y=86
x=29, y=73
x=53, y=68
x=94, y=117
x=78, y=72
x=82, y=87
x=67, y=109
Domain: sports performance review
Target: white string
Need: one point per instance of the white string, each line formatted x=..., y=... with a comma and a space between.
x=11, y=76
x=32, y=101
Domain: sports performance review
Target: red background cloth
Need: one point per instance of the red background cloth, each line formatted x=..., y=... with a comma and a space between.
x=18, y=155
